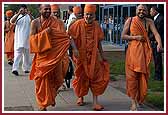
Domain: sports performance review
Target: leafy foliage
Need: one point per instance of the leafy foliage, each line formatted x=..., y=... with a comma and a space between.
x=33, y=8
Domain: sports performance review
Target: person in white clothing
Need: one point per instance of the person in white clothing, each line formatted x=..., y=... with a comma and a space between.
x=71, y=16
x=21, y=39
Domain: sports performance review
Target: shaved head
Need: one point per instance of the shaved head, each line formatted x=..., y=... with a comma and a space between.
x=141, y=11
x=45, y=10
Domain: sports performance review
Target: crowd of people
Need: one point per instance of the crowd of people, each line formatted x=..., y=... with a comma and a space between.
x=61, y=51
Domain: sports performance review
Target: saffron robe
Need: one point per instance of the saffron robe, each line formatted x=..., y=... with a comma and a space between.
x=9, y=42
x=48, y=66
x=90, y=71
x=138, y=57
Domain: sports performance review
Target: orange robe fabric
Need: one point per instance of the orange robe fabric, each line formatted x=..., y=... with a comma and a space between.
x=47, y=67
x=90, y=71
x=9, y=43
x=138, y=57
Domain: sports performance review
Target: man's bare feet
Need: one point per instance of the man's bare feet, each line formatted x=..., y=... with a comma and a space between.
x=42, y=109
x=133, y=107
x=98, y=107
x=80, y=101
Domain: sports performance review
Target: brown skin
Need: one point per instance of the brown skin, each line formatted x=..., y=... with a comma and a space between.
x=45, y=11
x=153, y=12
x=21, y=11
x=79, y=14
x=141, y=12
x=56, y=13
x=89, y=19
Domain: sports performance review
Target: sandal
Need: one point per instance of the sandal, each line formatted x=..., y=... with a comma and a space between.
x=80, y=101
x=98, y=107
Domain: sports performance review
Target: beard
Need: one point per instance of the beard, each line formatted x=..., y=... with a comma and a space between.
x=141, y=15
x=46, y=14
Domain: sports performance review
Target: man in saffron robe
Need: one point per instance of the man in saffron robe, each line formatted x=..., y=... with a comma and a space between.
x=92, y=70
x=49, y=42
x=55, y=10
x=9, y=37
x=139, y=54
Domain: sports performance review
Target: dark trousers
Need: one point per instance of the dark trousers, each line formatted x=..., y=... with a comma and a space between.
x=158, y=62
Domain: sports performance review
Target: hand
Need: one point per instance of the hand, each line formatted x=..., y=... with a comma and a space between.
x=21, y=10
x=28, y=12
x=48, y=30
x=139, y=38
x=159, y=48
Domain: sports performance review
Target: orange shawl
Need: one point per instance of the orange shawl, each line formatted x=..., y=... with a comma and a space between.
x=89, y=72
x=46, y=61
x=48, y=67
x=138, y=58
x=139, y=53
x=9, y=40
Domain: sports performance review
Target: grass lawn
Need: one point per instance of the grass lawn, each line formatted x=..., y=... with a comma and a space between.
x=155, y=95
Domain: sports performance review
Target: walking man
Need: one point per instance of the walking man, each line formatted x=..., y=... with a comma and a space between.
x=22, y=22
x=9, y=37
x=139, y=54
x=92, y=69
x=49, y=42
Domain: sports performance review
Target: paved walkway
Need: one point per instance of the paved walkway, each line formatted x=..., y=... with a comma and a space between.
x=113, y=47
x=19, y=96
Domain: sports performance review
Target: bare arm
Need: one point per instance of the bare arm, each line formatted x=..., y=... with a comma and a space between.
x=76, y=53
x=14, y=18
x=33, y=28
x=156, y=34
x=124, y=34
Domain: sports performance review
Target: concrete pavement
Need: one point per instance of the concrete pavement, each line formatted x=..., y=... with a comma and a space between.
x=19, y=96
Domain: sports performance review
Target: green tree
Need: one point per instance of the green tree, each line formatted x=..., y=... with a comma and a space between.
x=33, y=8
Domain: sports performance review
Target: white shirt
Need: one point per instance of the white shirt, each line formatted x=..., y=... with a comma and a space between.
x=156, y=16
x=22, y=32
x=71, y=18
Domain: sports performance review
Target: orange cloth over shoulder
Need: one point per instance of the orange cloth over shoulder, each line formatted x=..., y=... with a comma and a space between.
x=140, y=52
x=90, y=72
x=47, y=67
x=138, y=57
x=59, y=42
